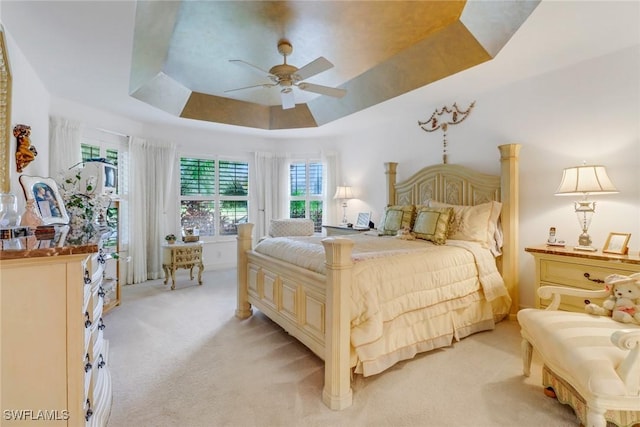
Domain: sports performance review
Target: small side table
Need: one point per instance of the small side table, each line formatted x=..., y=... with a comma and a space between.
x=181, y=255
x=338, y=230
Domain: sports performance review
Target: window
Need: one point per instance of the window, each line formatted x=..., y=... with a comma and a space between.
x=306, y=181
x=89, y=151
x=214, y=195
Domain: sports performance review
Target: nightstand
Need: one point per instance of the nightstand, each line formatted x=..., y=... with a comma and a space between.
x=584, y=270
x=181, y=255
x=339, y=230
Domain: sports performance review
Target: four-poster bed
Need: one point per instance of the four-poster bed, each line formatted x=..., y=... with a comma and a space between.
x=318, y=305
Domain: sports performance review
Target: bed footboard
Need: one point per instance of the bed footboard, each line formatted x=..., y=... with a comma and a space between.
x=314, y=308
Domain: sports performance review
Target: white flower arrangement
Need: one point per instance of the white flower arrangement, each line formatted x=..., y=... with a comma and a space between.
x=85, y=209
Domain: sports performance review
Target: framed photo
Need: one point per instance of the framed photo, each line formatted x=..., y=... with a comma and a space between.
x=363, y=220
x=617, y=243
x=44, y=192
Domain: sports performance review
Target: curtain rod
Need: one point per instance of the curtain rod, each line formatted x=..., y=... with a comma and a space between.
x=112, y=132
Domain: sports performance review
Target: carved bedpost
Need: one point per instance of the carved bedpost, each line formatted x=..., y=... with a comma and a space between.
x=509, y=184
x=337, y=392
x=390, y=175
x=243, y=308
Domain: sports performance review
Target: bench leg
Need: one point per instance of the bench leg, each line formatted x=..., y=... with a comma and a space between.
x=527, y=352
x=595, y=417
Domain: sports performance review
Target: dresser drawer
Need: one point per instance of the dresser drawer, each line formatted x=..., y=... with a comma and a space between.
x=578, y=275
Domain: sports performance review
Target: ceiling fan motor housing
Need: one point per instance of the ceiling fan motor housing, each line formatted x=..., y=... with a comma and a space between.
x=284, y=72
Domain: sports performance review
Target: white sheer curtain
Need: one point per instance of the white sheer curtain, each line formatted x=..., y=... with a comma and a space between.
x=64, y=145
x=271, y=184
x=330, y=213
x=151, y=176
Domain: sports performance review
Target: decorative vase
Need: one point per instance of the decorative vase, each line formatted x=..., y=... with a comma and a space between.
x=171, y=241
x=9, y=216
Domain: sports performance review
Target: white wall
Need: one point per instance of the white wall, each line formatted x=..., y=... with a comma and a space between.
x=587, y=111
x=29, y=106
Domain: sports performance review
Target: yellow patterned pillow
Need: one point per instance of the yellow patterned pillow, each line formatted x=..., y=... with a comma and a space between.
x=473, y=223
x=433, y=224
x=396, y=218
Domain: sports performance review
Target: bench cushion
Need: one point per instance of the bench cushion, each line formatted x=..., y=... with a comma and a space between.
x=291, y=227
x=579, y=345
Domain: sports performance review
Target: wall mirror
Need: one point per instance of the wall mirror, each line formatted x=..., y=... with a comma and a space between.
x=5, y=115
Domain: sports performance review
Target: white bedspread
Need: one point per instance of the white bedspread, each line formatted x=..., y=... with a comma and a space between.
x=408, y=296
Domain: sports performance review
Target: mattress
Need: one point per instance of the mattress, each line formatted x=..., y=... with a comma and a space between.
x=407, y=296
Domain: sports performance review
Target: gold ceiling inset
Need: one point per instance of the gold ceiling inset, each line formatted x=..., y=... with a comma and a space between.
x=380, y=49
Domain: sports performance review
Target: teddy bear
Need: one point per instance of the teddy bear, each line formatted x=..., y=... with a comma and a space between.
x=405, y=234
x=623, y=305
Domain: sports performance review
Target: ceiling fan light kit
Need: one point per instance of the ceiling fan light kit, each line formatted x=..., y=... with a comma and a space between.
x=288, y=76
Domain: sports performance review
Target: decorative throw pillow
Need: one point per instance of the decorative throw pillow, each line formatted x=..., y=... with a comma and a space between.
x=433, y=224
x=396, y=218
x=477, y=223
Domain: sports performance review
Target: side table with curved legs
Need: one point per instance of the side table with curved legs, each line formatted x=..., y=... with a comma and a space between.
x=181, y=255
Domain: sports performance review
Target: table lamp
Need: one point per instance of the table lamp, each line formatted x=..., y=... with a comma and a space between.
x=343, y=193
x=583, y=181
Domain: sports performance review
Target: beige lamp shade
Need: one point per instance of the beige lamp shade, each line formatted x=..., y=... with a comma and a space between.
x=583, y=181
x=586, y=179
x=343, y=193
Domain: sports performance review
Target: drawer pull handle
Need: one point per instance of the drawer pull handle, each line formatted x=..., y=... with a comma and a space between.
x=89, y=412
x=588, y=276
x=87, y=365
x=87, y=321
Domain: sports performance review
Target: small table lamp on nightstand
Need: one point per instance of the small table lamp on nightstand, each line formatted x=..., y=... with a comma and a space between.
x=343, y=193
x=583, y=181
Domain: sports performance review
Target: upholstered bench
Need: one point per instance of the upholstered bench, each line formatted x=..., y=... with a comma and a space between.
x=591, y=362
x=291, y=227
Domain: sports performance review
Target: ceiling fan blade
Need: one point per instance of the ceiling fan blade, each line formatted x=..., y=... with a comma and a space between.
x=288, y=100
x=323, y=90
x=314, y=67
x=249, y=87
x=253, y=67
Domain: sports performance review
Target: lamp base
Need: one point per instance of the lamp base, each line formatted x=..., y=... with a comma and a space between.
x=584, y=248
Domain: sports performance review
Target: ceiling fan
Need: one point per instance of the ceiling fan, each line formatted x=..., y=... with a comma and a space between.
x=288, y=76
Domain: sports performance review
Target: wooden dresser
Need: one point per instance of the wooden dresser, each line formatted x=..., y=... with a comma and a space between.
x=53, y=357
x=578, y=269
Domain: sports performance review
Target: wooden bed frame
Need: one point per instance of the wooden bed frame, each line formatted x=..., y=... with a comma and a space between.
x=314, y=308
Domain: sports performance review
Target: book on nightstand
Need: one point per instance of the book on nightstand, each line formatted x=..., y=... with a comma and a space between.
x=559, y=243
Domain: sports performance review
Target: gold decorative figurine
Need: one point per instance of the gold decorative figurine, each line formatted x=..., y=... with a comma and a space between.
x=25, y=152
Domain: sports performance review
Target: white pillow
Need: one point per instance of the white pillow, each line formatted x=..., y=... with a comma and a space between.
x=477, y=223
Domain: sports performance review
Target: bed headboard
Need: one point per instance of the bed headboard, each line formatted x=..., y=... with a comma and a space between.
x=453, y=184
x=459, y=185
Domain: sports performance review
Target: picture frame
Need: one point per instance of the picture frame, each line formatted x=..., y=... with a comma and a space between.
x=47, y=199
x=363, y=220
x=617, y=243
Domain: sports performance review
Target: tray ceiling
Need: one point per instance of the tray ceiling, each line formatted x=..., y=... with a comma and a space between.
x=380, y=50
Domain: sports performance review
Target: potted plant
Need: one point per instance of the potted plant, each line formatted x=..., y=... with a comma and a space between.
x=170, y=238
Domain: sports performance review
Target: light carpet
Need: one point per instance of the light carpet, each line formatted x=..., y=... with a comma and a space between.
x=181, y=358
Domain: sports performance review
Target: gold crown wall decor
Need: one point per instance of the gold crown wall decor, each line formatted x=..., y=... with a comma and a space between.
x=441, y=119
